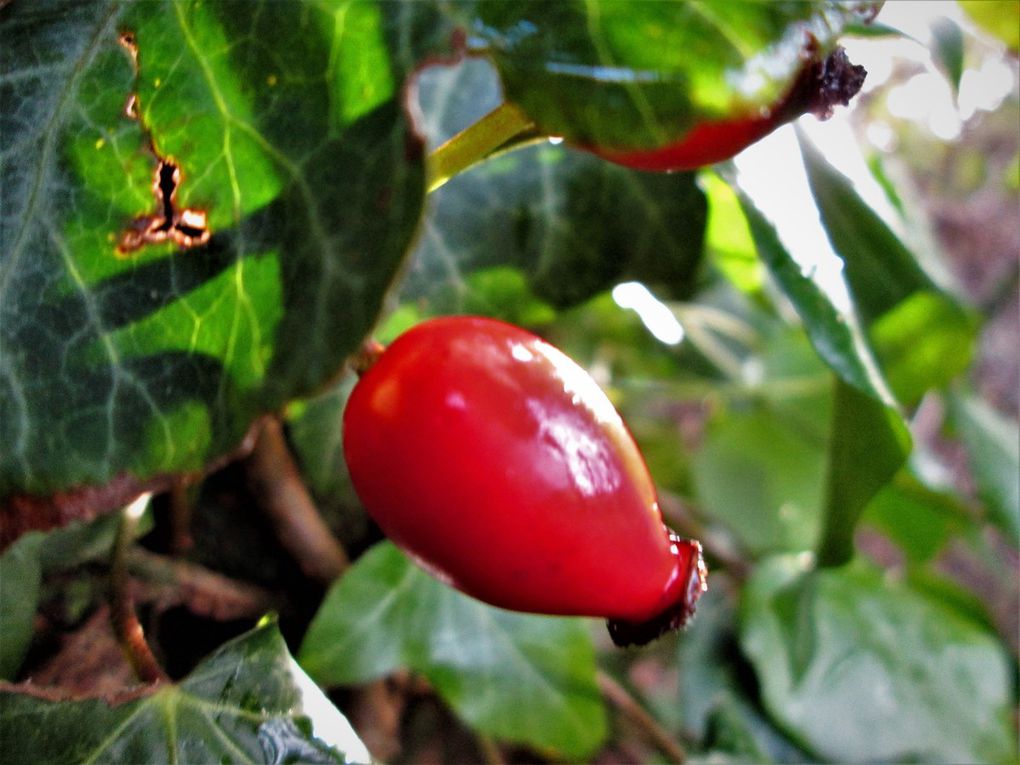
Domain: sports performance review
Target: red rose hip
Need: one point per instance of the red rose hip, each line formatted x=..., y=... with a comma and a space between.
x=499, y=465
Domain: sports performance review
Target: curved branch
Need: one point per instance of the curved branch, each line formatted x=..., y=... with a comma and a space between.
x=281, y=493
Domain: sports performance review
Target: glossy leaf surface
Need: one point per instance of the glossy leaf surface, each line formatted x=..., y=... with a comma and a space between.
x=864, y=669
x=156, y=360
x=248, y=702
x=514, y=676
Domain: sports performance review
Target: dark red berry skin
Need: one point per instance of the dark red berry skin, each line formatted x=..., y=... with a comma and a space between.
x=501, y=467
x=705, y=144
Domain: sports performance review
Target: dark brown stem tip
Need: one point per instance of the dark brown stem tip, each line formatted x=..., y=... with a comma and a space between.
x=366, y=356
x=838, y=82
x=675, y=617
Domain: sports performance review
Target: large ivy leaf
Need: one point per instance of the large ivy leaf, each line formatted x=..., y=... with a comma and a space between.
x=287, y=126
x=656, y=69
x=544, y=225
x=514, y=676
x=860, y=668
x=248, y=702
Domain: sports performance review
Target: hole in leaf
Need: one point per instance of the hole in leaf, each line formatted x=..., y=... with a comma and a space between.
x=187, y=227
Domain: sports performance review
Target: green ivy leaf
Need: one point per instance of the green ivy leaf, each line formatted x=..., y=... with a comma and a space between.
x=919, y=520
x=157, y=360
x=570, y=225
x=763, y=475
x=834, y=332
x=861, y=668
x=624, y=75
x=714, y=704
x=517, y=677
x=993, y=451
x=923, y=337
x=869, y=440
x=948, y=49
x=248, y=702
x=20, y=577
x=869, y=443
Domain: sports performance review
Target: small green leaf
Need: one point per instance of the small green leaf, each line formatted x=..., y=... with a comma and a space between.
x=868, y=445
x=835, y=333
x=517, y=677
x=922, y=336
x=880, y=270
x=993, y=451
x=248, y=702
x=20, y=577
x=885, y=673
x=948, y=49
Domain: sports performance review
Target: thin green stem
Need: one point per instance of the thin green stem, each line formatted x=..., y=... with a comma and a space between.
x=504, y=126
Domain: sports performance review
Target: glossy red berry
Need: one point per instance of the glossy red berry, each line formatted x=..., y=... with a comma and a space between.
x=500, y=466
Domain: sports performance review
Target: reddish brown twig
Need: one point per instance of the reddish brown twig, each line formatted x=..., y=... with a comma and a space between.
x=125, y=622
x=620, y=698
x=283, y=496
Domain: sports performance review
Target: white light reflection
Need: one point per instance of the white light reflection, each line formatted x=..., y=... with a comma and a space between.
x=654, y=314
x=328, y=724
x=136, y=509
x=772, y=173
x=588, y=460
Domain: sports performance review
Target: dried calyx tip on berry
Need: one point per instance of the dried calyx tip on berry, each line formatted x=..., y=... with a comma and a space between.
x=679, y=612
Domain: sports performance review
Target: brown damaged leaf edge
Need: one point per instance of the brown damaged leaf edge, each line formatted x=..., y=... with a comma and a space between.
x=59, y=694
x=22, y=513
x=187, y=228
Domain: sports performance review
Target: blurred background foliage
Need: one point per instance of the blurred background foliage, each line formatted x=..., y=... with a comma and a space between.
x=716, y=356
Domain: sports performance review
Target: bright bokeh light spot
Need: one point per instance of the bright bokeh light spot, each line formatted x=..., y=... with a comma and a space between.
x=881, y=136
x=927, y=98
x=655, y=315
x=555, y=140
x=984, y=89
